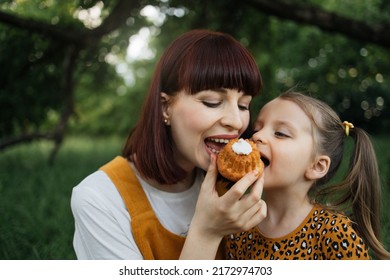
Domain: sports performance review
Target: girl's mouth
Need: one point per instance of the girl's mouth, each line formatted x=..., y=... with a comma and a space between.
x=265, y=160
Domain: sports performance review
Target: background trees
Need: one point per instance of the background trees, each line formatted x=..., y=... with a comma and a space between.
x=81, y=66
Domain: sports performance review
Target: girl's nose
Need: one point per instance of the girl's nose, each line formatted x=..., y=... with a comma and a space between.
x=258, y=137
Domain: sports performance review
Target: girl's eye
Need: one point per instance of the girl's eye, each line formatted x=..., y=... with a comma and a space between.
x=211, y=104
x=281, y=134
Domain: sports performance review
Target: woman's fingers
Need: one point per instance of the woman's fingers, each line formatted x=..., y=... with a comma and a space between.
x=237, y=191
x=246, y=209
x=255, y=192
x=211, y=175
x=253, y=216
x=234, y=211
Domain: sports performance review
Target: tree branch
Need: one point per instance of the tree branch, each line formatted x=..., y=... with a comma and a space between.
x=66, y=35
x=80, y=36
x=327, y=21
x=74, y=40
x=118, y=16
x=69, y=65
x=25, y=138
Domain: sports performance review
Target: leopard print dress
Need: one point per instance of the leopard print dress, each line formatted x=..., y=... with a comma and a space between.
x=321, y=236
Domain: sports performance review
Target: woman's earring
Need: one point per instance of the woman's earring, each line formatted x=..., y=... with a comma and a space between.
x=166, y=121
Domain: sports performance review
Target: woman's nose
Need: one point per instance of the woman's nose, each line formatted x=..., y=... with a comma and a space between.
x=232, y=118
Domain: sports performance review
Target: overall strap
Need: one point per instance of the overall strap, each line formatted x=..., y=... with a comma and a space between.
x=153, y=240
x=129, y=187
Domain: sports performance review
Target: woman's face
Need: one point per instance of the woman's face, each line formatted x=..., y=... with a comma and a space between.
x=203, y=122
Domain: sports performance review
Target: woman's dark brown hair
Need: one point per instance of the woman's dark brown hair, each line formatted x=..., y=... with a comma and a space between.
x=197, y=60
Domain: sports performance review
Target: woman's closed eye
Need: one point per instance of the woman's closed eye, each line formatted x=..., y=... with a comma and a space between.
x=211, y=104
x=215, y=104
x=243, y=107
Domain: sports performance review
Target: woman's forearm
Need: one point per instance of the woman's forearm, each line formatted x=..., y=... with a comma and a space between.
x=200, y=246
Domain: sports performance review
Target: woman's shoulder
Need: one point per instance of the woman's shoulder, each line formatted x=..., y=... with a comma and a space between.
x=95, y=190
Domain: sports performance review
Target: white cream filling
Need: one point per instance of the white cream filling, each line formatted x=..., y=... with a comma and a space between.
x=242, y=147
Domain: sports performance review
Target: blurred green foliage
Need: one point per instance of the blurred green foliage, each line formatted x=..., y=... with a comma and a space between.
x=352, y=76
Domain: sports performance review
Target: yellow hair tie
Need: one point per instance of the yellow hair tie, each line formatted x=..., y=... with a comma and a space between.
x=347, y=126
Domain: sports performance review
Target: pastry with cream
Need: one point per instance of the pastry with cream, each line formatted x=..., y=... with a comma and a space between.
x=237, y=158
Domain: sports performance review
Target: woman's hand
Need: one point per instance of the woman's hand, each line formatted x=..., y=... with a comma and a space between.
x=234, y=211
x=217, y=216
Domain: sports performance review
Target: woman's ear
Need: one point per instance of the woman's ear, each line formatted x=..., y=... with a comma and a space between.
x=319, y=168
x=165, y=102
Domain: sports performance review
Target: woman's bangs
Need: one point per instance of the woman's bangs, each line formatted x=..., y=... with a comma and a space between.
x=225, y=67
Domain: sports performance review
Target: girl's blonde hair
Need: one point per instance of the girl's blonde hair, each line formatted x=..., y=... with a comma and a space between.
x=360, y=190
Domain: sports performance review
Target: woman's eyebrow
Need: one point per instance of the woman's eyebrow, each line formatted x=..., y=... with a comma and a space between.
x=220, y=90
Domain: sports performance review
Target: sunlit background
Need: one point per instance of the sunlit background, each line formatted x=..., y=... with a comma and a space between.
x=74, y=74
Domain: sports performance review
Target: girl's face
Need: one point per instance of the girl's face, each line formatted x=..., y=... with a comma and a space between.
x=283, y=134
x=202, y=123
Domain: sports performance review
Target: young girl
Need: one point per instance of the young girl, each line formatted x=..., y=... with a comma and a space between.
x=301, y=141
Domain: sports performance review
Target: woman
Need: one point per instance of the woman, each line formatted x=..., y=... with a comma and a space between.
x=144, y=204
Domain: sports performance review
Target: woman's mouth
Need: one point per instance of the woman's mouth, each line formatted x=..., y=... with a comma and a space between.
x=215, y=145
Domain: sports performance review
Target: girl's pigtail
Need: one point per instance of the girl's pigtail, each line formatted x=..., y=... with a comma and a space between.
x=365, y=192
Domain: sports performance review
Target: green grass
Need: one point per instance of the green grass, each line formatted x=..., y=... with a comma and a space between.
x=36, y=220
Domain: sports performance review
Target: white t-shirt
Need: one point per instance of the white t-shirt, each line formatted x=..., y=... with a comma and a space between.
x=102, y=222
